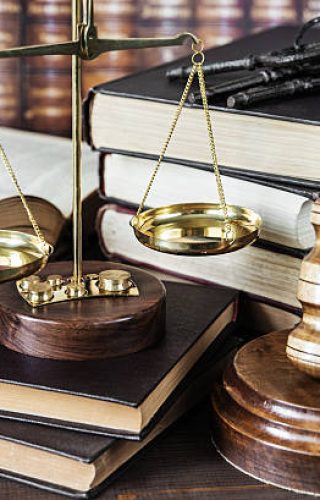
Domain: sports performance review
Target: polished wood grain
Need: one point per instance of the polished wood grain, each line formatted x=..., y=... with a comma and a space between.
x=303, y=347
x=267, y=416
x=89, y=329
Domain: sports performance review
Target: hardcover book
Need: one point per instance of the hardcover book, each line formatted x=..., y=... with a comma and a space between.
x=270, y=273
x=132, y=115
x=285, y=209
x=122, y=396
x=182, y=464
x=81, y=464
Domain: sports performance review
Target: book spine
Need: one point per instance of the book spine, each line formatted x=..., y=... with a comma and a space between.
x=114, y=20
x=310, y=9
x=220, y=22
x=10, y=81
x=161, y=18
x=47, y=82
x=265, y=14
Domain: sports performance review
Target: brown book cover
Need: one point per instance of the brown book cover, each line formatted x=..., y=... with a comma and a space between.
x=310, y=9
x=47, y=79
x=14, y=217
x=10, y=82
x=265, y=14
x=182, y=464
x=81, y=464
x=48, y=102
x=122, y=396
x=158, y=18
x=221, y=22
x=113, y=20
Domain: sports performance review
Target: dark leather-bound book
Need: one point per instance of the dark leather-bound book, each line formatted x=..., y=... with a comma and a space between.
x=10, y=36
x=47, y=79
x=132, y=116
x=264, y=14
x=81, y=464
x=285, y=208
x=182, y=464
x=113, y=19
x=122, y=396
x=218, y=23
x=159, y=18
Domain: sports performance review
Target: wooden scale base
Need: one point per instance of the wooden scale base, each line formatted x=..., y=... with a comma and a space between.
x=84, y=329
x=267, y=416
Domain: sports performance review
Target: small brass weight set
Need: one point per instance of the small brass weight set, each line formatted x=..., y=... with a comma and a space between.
x=185, y=229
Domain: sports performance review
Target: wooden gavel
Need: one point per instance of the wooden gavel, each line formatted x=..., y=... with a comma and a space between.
x=303, y=346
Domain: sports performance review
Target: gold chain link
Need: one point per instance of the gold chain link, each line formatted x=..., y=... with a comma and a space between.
x=14, y=179
x=197, y=66
x=166, y=143
x=212, y=143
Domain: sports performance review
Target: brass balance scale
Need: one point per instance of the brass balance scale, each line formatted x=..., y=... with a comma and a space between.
x=36, y=309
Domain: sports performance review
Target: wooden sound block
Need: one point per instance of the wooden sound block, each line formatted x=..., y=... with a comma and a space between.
x=267, y=416
x=84, y=329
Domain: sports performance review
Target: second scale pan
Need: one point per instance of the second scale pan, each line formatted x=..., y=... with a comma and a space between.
x=196, y=228
x=21, y=255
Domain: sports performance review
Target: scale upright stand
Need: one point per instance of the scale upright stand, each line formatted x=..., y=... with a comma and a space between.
x=133, y=317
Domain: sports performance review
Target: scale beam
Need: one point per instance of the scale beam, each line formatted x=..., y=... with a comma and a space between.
x=89, y=46
x=65, y=48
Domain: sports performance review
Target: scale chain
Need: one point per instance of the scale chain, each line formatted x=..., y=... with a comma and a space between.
x=213, y=150
x=166, y=144
x=24, y=202
x=197, y=67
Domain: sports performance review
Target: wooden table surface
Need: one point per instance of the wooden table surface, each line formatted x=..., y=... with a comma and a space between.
x=181, y=464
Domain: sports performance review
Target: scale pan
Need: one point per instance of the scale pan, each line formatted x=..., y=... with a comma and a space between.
x=196, y=228
x=21, y=255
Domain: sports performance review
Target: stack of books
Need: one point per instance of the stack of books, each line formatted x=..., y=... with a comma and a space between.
x=70, y=427
x=268, y=158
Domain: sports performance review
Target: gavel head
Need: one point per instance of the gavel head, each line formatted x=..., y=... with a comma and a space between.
x=303, y=346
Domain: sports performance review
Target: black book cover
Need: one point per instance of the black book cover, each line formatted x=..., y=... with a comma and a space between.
x=152, y=85
x=301, y=187
x=86, y=447
x=125, y=380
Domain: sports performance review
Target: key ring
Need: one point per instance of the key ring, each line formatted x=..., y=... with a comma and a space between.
x=197, y=49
